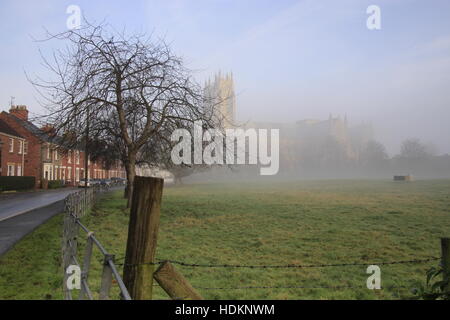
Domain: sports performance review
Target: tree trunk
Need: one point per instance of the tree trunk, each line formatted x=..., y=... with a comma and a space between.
x=178, y=180
x=126, y=191
x=131, y=173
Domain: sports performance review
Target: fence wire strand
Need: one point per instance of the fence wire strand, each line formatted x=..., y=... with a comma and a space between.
x=298, y=287
x=286, y=266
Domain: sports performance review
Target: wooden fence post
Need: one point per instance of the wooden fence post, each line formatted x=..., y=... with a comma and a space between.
x=445, y=247
x=173, y=282
x=70, y=240
x=142, y=236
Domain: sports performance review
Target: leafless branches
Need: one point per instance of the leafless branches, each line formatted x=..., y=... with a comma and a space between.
x=126, y=90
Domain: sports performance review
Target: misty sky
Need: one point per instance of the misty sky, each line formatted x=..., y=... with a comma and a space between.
x=291, y=59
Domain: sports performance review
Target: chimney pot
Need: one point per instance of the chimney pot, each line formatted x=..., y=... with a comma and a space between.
x=20, y=112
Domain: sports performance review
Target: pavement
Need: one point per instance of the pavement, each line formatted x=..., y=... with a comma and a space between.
x=14, y=229
x=22, y=213
x=12, y=205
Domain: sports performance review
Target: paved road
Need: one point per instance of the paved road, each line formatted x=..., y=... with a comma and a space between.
x=22, y=213
x=12, y=205
x=14, y=229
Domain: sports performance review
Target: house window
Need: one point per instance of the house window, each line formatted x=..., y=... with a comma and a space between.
x=19, y=170
x=20, y=146
x=48, y=153
x=49, y=172
x=69, y=174
x=25, y=147
x=11, y=145
x=10, y=170
x=77, y=157
x=77, y=174
x=56, y=155
x=69, y=157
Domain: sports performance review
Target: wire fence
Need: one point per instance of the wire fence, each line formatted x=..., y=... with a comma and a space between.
x=290, y=266
x=78, y=205
x=285, y=266
x=110, y=265
x=297, y=287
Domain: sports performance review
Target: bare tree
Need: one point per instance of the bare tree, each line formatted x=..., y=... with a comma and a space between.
x=374, y=155
x=157, y=153
x=124, y=90
x=414, y=149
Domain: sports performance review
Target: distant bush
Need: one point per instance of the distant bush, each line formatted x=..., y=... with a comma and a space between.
x=56, y=184
x=16, y=183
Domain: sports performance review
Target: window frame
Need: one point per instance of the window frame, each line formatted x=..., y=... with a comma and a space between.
x=9, y=171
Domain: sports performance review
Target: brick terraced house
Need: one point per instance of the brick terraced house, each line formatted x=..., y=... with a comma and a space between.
x=13, y=148
x=42, y=155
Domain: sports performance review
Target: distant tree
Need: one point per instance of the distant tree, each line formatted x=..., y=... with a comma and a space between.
x=157, y=153
x=373, y=155
x=179, y=172
x=414, y=149
x=431, y=149
x=334, y=154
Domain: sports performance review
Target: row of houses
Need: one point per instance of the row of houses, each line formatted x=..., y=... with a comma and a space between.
x=27, y=150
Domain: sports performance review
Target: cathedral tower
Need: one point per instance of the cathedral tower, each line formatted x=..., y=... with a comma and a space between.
x=220, y=90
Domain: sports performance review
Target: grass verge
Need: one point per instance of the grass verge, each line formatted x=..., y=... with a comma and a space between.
x=313, y=222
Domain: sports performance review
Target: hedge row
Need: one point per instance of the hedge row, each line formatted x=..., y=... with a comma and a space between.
x=16, y=183
x=56, y=184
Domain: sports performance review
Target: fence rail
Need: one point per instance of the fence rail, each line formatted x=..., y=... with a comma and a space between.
x=78, y=205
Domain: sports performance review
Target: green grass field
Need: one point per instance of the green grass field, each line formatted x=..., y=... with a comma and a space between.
x=310, y=222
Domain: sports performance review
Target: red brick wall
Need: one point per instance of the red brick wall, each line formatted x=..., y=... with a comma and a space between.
x=10, y=157
x=66, y=164
x=33, y=165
